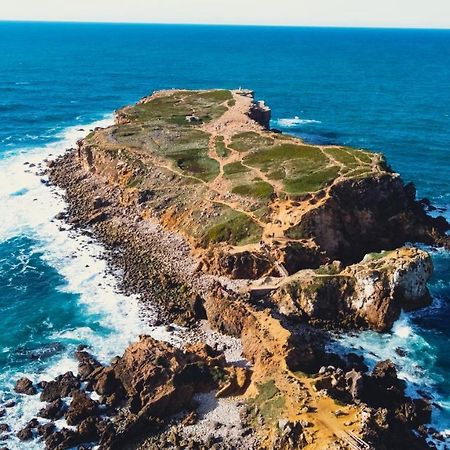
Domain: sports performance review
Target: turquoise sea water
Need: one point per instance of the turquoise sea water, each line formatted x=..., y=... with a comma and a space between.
x=386, y=90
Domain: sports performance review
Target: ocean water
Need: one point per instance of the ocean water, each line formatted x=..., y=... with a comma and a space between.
x=386, y=90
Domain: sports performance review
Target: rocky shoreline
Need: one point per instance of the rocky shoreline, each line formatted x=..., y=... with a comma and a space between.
x=266, y=364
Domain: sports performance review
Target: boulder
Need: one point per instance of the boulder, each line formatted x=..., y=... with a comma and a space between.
x=60, y=440
x=106, y=382
x=25, y=386
x=46, y=429
x=86, y=364
x=53, y=410
x=62, y=386
x=25, y=434
x=81, y=407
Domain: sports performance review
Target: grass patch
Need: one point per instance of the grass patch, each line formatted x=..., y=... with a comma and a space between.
x=312, y=182
x=197, y=163
x=350, y=157
x=236, y=229
x=216, y=96
x=173, y=108
x=221, y=149
x=234, y=168
x=244, y=142
x=270, y=401
x=257, y=189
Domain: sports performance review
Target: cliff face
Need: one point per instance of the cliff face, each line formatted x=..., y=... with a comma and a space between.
x=368, y=294
x=369, y=215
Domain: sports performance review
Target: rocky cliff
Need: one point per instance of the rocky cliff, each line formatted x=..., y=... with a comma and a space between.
x=210, y=215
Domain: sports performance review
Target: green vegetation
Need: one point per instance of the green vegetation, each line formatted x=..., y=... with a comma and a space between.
x=234, y=168
x=272, y=157
x=174, y=107
x=304, y=167
x=197, y=163
x=313, y=182
x=270, y=401
x=327, y=269
x=244, y=142
x=350, y=157
x=258, y=189
x=221, y=149
x=236, y=228
x=376, y=256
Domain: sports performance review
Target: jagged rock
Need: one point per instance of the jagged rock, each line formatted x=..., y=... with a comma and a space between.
x=25, y=434
x=224, y=313
x=369, y=215
x=25, y=386
x=106, y=383
x=61, y=386
x=46, y=429
x=87, y=429
x=60, y=440
x=370, y=294
x=53, y=410
x=81, y=407
x=86, y=364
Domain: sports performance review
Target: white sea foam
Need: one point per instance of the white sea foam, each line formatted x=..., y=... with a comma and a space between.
x=413, y=356
x=28, y=207
x=295, y=122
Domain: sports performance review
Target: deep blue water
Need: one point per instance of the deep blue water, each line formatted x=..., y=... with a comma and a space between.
x=386, y=90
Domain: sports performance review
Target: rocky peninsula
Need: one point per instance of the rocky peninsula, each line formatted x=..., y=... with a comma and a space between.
x=256, y=246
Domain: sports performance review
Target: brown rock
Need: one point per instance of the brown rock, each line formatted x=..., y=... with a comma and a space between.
x=25, y=434
x=87, y=429
x=25, y=386
x=87, y=364
x=62, y=386
x=60, y=440
x=46, y=429
x=106, y=382
x=81, y=407
x=53, y=410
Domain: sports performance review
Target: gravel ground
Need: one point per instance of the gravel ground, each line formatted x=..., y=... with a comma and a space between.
x=221, y=420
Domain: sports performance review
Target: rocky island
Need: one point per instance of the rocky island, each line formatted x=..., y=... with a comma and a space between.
x=256, y=246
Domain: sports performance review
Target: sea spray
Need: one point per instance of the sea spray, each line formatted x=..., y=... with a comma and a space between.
x=108, y=321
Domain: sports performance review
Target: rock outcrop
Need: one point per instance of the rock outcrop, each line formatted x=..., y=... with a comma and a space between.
x=245, y=197
x=148, y=384
x=368, y=294
x=369, y=215
x=310, y=224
